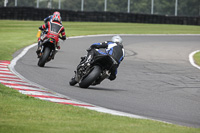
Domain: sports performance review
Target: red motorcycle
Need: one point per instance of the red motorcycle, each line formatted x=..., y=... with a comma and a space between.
x=48, y=48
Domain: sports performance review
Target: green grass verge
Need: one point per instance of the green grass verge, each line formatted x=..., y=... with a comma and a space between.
x=197, y=58
x=24, y=114
x=21, y=114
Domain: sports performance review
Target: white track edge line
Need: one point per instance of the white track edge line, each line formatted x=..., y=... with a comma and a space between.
x=191, y=59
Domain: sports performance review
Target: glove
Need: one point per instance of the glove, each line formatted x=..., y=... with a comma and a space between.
x=93, y=46
x=40, y=28
x=63, y=37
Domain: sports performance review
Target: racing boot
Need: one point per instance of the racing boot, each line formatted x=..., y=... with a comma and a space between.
x=73, y=81
x=53, y=54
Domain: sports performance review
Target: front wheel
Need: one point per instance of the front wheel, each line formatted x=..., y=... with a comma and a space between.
x=91, y=77
x=44, y=57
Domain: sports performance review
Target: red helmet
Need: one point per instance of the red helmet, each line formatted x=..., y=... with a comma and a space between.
x=56, y=13
x=56, y=17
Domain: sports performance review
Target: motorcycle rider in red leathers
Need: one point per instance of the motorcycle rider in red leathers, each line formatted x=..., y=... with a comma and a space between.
x=54, y=28
x=51, y=16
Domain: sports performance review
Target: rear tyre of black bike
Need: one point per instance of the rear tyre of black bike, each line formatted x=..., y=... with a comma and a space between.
x=91, y=77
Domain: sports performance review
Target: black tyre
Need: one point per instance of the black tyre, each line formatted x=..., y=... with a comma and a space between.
x=44, y=57
x=91, y=77
x=72, y=82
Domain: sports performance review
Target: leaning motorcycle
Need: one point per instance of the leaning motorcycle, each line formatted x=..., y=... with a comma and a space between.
x=48, y=48
x=95, y=72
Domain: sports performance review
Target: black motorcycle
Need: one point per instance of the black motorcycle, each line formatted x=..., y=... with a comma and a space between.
x=93, y=72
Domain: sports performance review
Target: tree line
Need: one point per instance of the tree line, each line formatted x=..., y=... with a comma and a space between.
x=161, y=7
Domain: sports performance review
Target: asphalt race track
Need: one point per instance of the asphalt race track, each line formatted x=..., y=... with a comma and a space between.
x=155, y=79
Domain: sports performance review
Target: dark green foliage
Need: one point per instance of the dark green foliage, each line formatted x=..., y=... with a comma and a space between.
x=161, y=7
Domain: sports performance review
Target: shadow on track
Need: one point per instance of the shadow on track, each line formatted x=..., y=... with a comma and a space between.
x=100, y=89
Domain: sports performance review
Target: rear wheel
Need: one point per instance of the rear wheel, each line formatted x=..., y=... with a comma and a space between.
x=44, y=57
x=91, y=77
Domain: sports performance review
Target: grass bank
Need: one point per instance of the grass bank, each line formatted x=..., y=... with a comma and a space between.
x=21, y=114
x=197, y=58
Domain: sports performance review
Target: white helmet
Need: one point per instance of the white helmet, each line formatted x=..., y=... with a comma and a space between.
x=117, y=39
